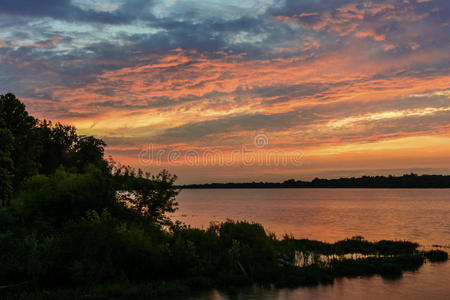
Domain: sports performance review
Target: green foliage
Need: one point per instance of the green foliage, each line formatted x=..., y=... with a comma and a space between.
x=156, y=196
x=62, y=146
x=104, y=249
x=6, y=163
x=25, y=145
x=63, y=196
x=99, y=228
x=94, y=252
x=250, y=248
x=29, y=146
x=149, y=195
x=353, y=245
x=89, y=150
x=58, y=142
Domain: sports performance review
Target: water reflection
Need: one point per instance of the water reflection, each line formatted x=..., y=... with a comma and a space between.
x=304, y=259
x=430, y=282
x=328, y=214
x=335, y=214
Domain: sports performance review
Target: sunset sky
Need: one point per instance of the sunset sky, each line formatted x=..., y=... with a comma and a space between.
x=338, y=88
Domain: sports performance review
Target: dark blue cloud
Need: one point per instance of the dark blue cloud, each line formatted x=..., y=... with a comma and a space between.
x=187, y=29
x=66, y=10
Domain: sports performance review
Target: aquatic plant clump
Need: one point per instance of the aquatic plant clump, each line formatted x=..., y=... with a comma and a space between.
x=93, y=254
x=436, y=255
x=353, y=257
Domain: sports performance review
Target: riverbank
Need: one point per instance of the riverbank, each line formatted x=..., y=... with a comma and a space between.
x=232, y=255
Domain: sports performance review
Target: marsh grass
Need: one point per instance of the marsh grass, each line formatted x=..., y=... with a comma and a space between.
x=102, y=257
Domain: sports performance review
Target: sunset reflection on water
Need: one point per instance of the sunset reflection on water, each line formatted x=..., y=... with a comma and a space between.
x=419, y=215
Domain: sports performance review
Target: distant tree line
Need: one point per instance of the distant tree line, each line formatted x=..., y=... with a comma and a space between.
x=406, y=181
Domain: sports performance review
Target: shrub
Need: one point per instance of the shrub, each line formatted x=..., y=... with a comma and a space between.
x=64, y=196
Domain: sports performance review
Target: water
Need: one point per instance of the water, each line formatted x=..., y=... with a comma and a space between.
x=419, y=215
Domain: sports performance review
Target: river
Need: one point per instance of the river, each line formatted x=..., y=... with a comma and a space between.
x=419, y=215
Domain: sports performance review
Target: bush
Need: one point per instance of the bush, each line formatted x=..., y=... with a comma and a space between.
x=101, y=249
x=64, y=196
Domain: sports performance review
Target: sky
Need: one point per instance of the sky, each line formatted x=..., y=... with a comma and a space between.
x=240, y=90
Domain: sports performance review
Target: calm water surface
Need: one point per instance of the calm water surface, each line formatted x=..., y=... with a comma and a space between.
x=420, y=215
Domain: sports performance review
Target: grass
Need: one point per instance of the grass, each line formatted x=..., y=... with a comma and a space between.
x=128, y=263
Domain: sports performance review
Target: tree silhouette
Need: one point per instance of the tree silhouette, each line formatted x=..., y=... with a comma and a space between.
x=88, y=150
x=25, y=145
x=57, y=142
x=6, y=163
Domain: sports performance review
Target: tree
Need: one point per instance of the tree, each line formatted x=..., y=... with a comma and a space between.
x=6, y=163
x=29, y=147
x=88, y=150
x=25, y=145
x=151, y=196
x=62, y=146
x=57, y=143
x=63, y=196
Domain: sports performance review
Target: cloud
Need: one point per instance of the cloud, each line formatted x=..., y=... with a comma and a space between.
x=212, y=74
x=66, y=10
x=392, y=23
